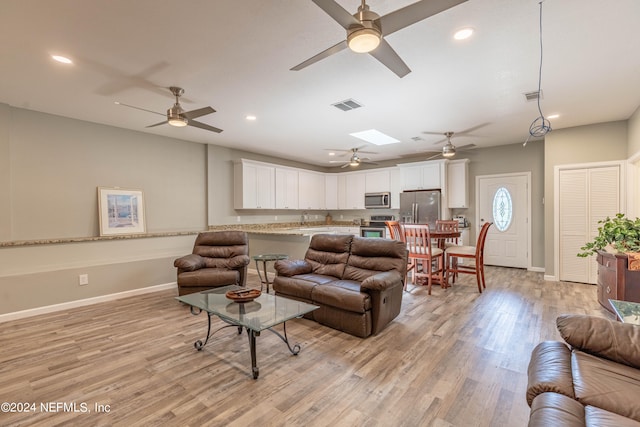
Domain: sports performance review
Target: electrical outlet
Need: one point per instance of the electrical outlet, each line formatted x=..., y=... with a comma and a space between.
x=275, y=218
x=83, y=279
x=238, y=218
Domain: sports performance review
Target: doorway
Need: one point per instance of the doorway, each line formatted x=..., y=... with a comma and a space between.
x=505, y=200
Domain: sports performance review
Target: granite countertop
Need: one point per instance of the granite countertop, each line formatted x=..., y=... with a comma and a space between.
x=294, y=229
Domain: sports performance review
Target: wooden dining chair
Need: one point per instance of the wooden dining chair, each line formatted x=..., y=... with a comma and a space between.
x=444, y=244
x=448, y=225
x=453, y=253
x=397, y=233
x=395, y=230
x=428, y=261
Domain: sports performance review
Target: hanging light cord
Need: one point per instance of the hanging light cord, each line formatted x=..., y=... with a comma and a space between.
x=540, y=126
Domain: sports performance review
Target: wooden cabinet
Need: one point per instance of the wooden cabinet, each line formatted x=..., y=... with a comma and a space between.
x=254, y=185
x=615, y=281
x=457, y=193
x=311, y=190
x=421, y=176
x=286, y=196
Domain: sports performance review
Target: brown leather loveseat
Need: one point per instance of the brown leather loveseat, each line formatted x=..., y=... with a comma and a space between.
x=357, y=282
x=593, y=379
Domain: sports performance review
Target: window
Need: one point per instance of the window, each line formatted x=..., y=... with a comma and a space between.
x=502, y=209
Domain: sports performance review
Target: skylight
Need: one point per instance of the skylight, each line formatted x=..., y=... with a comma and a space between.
x=375, y=137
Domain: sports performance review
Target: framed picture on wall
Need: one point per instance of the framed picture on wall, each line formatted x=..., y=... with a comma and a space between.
x=121, y=211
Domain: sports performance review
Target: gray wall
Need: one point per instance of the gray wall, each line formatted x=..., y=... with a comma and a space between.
x=50, y=168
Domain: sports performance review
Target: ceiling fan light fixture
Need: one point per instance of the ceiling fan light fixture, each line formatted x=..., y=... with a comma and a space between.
x=363, y=39
x=448, y=151
x=175, y=117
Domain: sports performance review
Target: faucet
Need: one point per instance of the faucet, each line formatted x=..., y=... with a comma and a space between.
x=303, y=219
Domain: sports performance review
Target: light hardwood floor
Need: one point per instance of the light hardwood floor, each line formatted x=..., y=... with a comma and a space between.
x=455, y=358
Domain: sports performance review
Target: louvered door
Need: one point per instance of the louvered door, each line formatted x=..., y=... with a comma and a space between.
x=586, y=195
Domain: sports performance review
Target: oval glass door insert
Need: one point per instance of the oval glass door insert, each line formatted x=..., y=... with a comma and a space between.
x=502, y=209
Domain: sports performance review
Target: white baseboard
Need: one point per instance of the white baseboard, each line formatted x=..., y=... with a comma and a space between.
x=537, y=269
x=81, y=303
x=550, y=278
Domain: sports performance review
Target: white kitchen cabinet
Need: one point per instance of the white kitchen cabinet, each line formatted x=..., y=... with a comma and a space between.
x=286, y=188
x=351, y=189
x=457, y=191
x=331, y=191
x=421, y=176
x=395, y=188
x=254, y=185
x=377, y=181
x=311, y=190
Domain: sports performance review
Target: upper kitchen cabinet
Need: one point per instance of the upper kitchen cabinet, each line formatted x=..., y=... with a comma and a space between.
x=422, y=175
x=254, y=185
x=311, y=190
x=377, y=181
x=331, y=191
x=286, y=188
x=457, y=175
x=351, y=189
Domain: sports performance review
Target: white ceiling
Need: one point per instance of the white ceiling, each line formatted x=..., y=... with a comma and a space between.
x=235, y=55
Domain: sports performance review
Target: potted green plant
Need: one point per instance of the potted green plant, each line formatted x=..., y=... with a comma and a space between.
x=617, y=234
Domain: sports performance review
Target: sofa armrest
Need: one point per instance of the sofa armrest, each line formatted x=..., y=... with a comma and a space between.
x=550, y=370
x=385, y=290
x=619, y=342
x=381, y=281
x=191, y=262
x=292, y=267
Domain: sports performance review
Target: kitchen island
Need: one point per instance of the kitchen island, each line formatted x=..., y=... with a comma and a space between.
x=290, y=239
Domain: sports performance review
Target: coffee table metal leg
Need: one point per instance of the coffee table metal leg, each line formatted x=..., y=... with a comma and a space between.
x=296, y=348
x=252, y=344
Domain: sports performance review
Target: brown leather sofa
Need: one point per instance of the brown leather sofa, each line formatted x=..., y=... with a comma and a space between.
x=593, y=379
x=357, y=282
x=219, y=258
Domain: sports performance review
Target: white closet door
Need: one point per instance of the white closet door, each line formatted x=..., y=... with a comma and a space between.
x=587, y=195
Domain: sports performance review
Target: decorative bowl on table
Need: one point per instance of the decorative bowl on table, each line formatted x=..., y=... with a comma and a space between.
x=243, y=295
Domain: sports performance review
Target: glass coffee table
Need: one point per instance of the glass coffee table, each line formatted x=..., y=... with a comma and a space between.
x=262, y=313
x=627, y=311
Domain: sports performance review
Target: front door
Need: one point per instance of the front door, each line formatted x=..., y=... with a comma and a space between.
x=504, y=200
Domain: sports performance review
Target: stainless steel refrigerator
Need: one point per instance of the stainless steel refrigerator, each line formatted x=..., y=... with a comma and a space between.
x=420, y=207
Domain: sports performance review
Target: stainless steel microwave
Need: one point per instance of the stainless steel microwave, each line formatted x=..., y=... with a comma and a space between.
x=377, y=200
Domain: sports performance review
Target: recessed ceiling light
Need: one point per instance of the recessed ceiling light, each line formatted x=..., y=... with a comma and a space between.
x=553, y=116
x=463, y=33
x=375, y=137
x=332, y=153
x=61, y=59
x=251, y=118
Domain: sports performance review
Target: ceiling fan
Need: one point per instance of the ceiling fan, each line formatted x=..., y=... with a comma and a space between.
x=449, y=150
x=366, y=30
x=355, y=159
x=176, y=116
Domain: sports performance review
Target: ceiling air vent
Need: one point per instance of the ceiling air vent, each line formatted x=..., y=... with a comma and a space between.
x=347, y=105
x=533, y=96
x=416, y=138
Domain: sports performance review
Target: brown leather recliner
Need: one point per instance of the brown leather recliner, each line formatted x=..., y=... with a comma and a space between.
x=219, y=258
x=357, y=282
x=593, y=378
